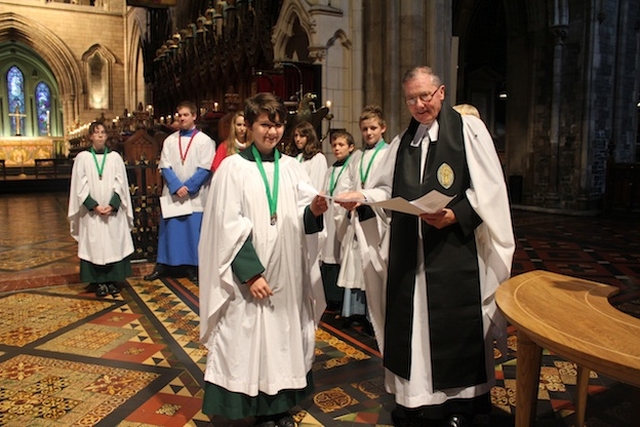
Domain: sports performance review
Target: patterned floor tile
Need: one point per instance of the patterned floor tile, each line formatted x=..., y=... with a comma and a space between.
x=64, y=393
x=166, y=410
x=91, y=340
x=27, y=317
x=135, y=360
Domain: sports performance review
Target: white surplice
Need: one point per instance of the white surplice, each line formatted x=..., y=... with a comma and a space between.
x=351, y=272
x=316, y=167
x=101, y=239
x=199, y=155
x=335, y=217
x=258, y=345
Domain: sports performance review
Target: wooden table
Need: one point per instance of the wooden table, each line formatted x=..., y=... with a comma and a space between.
x=573, y=318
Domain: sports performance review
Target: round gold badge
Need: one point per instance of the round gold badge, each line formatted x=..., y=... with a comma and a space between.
x=445, y=176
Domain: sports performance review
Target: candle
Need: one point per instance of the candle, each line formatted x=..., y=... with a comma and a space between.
x=328, y=104
x=215, y=106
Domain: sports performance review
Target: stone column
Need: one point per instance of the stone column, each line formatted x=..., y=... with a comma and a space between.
x=559, y=29
x=69, y=110
x=400, y=36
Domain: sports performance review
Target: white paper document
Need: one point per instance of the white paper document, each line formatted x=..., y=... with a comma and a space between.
x=173, y=206
x=432, y=202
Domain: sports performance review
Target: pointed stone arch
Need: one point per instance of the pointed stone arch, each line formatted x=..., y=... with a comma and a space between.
x=135, y=63
x=341, y=37
x=98, y=64
x=291, y=13
x=53, y=50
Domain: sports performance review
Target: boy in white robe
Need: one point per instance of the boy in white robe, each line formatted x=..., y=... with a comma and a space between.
x=337, y=180
x=260, y=293
x=101, y=214
x=375, y=220
x=185, y=162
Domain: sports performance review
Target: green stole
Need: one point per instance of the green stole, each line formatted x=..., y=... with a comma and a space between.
x=452, y=272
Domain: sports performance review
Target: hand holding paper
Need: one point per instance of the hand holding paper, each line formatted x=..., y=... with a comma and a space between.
x=306, y=188
x=432, y=202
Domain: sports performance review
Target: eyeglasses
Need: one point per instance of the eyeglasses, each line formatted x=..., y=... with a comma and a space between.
x=268, y=125
x=424, y=97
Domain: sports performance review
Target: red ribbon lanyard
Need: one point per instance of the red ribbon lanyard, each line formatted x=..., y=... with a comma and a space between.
x=184, y=156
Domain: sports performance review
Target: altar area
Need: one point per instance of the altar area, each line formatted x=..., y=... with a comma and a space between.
x=22, y=151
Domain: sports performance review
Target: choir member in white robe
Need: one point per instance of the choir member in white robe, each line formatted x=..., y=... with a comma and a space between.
x=439, y=317
x=260, y=290
x=101, y=214
x=306, y=148
x=185, y=162
x=337, y=180
x=375, y=220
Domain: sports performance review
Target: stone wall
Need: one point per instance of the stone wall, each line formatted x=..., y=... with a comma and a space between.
x=56, y=29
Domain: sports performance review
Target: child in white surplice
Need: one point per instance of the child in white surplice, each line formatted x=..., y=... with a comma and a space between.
x=101, y=214
x=260, y=290
x=368, y=220
x=337, y=180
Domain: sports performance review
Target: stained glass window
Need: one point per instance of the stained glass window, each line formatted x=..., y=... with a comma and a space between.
x=43, y=106
x=15, y=83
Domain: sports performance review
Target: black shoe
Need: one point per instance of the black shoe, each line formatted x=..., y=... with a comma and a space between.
x=102, y=290
x=458, y=420
x=113, y=289
x=286, y=421
x=401, y=420
x=155, y=274
x=192, y=275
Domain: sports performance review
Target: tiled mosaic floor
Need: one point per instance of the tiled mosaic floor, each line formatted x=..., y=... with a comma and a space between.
x=68, y=358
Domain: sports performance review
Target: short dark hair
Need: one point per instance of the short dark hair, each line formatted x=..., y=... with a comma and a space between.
x=94, y=125
x=261, y=103
x=188, y=104
x=343, y=134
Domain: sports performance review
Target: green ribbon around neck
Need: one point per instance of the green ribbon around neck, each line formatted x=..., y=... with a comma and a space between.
x=272, y=195
x=334, y=181
x=95, y=159
x=365, y=175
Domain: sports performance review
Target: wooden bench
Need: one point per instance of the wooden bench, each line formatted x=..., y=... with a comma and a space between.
x=573, y=318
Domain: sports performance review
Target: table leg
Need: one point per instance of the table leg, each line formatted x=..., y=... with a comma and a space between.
x=581, y=398
x=527, y=380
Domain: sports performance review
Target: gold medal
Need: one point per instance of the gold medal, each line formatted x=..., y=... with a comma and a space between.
x=274, y=218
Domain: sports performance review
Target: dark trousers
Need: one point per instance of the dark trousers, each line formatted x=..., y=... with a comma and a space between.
x=332, y=292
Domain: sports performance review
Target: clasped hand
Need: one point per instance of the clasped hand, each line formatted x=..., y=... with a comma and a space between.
x=182, y=191
x=104, y=210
